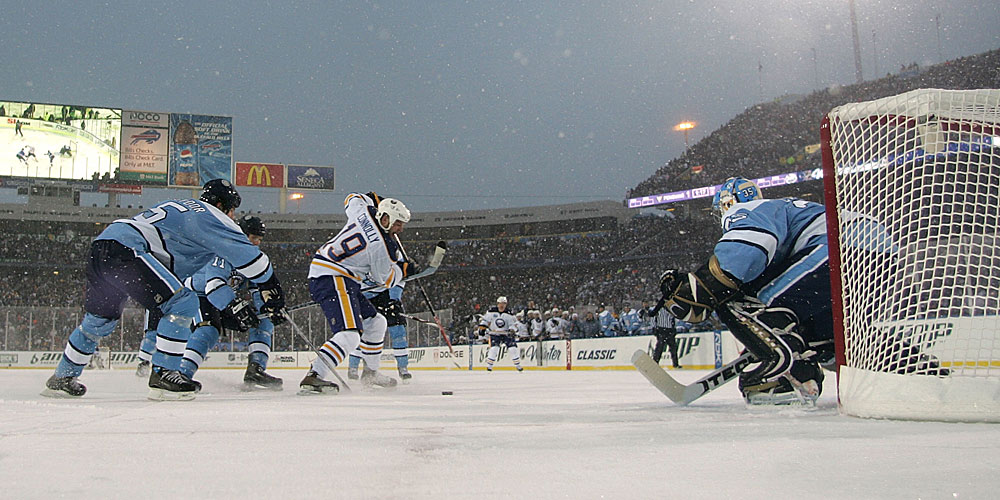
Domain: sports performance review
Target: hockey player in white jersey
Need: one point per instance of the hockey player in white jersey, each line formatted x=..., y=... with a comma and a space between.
x=501, y=327
x=363, y=250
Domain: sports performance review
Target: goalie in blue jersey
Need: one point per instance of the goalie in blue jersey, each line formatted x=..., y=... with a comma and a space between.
x=769, y=281
x=146, y=257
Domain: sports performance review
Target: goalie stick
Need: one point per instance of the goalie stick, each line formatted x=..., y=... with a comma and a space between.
x=679, y=393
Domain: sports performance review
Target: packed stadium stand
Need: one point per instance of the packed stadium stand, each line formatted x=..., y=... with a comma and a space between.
x=573, y=257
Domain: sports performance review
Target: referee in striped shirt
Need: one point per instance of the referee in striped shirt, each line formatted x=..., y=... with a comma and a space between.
x=665, y=330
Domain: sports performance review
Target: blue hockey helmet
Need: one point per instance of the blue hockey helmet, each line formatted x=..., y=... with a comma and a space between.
x=734, y=190
x=221, y=191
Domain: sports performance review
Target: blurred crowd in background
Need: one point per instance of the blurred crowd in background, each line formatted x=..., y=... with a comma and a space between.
x=574, y=276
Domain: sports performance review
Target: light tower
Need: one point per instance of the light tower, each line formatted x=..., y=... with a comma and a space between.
x=685, y=127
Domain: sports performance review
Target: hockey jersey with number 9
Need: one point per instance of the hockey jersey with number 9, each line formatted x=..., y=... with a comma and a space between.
x=361, y=251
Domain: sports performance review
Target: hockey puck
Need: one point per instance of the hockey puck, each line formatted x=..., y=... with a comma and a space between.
x=446, y=393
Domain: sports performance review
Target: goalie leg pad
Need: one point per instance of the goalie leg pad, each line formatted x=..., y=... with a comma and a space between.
x=761, y=330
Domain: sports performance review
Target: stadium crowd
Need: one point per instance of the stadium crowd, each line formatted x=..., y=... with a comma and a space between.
x=567, y=274
x=760, y=141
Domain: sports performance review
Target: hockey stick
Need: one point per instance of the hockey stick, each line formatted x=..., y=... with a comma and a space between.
x=333, y=369
x=418, y=320
x=682, y=394
x=435, y=262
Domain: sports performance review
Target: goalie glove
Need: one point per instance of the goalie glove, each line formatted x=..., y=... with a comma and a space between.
x=239, y=315
x=693, y=297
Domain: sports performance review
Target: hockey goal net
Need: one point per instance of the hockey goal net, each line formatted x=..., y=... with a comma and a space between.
x=912, y=188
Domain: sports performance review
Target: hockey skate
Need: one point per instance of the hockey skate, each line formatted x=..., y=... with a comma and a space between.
x=256, y=378
x=63, y=387
x=352, y=373
x=171, y=385
x=313, y=384
x=404, y=375
x=142, y=371
x=372, y=378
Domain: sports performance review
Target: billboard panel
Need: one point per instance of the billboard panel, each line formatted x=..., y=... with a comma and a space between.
x=59, y=141
x=310, y=177
x=253, y=174
x=201, y=149
x=145, y=146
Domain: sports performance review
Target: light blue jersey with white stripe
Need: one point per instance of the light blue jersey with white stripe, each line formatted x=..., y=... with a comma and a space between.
x=760, y=235
x=185, y=235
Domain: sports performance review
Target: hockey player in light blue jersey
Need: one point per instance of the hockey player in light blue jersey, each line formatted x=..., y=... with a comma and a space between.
x=216, y=285
x=769, y=281
x=146, y=258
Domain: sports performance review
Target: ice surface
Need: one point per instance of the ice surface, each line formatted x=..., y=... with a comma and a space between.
x=537, y=434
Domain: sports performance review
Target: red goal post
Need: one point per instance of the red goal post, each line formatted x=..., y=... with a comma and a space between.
x=912, y=188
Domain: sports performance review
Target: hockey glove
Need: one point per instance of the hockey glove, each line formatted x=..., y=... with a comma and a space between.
x=239, y=316
x=272, y=295
x=409, y=268
x=278, y=317
x=696, y=295
x=373, y=197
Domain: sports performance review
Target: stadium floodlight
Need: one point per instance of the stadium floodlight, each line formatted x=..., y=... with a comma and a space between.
x=298, y=201
x=685, y=127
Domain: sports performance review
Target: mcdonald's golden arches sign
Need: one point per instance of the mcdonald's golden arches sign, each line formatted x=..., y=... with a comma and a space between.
x=252, y=174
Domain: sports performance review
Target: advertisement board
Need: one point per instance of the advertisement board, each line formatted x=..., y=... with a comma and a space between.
x=310, y=177
x=255, y=174
x=145, y=146
x=201, y=149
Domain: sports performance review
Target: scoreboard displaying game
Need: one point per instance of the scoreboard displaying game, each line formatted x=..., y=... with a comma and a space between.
x=112, y=146
x=59, y=141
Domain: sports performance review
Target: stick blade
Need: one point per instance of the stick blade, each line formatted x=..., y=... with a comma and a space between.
x=660, y=379
x=438, y=254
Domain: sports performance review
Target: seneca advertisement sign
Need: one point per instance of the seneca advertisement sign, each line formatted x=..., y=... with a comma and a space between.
x=310, y=177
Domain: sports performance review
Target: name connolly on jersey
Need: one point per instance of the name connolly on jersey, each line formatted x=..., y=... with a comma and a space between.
x=366, y=225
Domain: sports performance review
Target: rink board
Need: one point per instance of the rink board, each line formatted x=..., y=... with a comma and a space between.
x=703, y=350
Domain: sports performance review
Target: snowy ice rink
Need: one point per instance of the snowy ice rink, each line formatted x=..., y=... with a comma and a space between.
x=537, y=434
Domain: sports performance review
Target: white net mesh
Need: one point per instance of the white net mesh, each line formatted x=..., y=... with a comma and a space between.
x=917, y=183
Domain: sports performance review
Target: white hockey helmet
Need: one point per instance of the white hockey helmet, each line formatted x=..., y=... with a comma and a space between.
x=394, y=209
x=501, y=300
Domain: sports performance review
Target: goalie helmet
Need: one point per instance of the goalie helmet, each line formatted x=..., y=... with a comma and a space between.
x=734, y=190
x=394, y=209
x=501, y=300
x=221, y=191
x=251, y=224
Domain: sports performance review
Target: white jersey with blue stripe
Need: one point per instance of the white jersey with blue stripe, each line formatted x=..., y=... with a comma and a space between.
x=185, y=235
x=361, y=251
x=499, y=323
x=760, y=235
